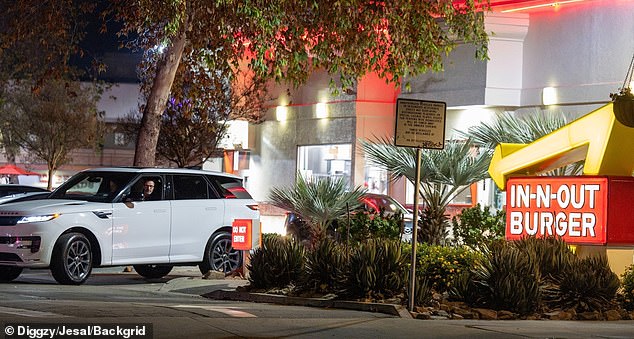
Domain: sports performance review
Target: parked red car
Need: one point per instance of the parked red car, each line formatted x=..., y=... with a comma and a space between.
x=373, y=203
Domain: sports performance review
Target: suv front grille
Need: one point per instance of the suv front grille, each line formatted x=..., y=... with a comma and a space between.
x=7, y=240
x=9, y=220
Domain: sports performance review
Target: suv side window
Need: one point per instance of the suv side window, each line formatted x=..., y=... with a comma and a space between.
x=229, y=188
x=187, y=187
x=138, y=191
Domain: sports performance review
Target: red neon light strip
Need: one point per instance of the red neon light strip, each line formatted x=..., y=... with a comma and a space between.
x=550, y=4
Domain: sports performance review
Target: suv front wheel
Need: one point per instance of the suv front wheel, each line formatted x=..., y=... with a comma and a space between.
x=220, y=256
x=9, y=273
x=71, y=262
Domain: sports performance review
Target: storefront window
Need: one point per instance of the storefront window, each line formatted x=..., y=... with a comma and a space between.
x=321, y=161
x=375, y=180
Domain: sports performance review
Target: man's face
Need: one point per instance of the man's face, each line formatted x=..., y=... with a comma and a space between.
x=148, y=187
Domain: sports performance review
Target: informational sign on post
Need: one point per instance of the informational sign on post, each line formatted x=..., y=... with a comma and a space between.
x=420, y=123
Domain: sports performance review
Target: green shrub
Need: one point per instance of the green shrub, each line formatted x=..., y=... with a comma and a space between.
x=442, y=264
x=377, y=269
x=551, y=254
x=464, y=288
x=326, y=268
x=365, y=226
x=628, y=287
x=277, y=263
x=477, y=226
x=588, y=284
x=422, y=291
x=506, y=279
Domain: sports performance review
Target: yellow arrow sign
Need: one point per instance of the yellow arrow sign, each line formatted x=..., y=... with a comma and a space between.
x=598, y=138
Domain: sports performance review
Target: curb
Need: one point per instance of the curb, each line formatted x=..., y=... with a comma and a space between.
x=390, y=309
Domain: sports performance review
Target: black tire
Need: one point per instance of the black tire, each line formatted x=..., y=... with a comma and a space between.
x=153, y=271
x=219, y=255
x=293, y=232
x=71, y=262
x=9, y=273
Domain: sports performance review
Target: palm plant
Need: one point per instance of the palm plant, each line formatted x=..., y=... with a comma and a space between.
x=318, y=203
x=444, y=174
x=521, y=129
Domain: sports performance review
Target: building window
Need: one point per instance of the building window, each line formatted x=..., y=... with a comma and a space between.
x=462, y=198
x=119, y=139
x=319, y=161
x=375, y=180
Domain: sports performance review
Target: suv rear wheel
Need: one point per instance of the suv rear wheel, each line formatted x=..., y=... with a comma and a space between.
x=220, y=256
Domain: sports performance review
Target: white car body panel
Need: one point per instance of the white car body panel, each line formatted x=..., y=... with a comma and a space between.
x=141, y=232
x=199, y=220
x=72, y=214
x=237, y=207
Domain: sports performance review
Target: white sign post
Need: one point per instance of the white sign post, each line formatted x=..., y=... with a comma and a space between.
x=419, y=124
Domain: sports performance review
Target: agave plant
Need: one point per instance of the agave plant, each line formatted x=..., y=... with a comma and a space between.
x=588, y=284
x=377, y=268
x=551, y=255
x=444, y=174
x=521, y=129
x=326, y=268
x=318, y=203
x=277, y=263
x=506, y=279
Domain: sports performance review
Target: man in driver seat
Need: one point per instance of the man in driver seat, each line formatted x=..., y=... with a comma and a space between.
x=148, y=189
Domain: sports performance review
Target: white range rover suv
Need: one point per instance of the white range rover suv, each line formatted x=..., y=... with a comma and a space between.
x=100, y=218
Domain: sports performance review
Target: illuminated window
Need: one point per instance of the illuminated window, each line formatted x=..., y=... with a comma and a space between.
x=319, y=161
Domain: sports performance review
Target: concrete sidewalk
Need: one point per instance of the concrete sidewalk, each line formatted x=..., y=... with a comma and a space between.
x=188, y=280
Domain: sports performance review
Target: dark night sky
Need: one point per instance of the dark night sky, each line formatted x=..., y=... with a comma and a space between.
x=104, y=47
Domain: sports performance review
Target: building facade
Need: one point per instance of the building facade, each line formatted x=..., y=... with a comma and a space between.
x=565, y=58
x=542, y=56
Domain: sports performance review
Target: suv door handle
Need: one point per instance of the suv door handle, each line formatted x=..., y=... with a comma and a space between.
x=160, y=210
x=211, y=208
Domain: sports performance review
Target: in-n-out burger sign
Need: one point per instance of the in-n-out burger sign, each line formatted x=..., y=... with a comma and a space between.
x=574, y=208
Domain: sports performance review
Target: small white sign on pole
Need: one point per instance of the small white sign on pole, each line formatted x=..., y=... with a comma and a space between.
x=420, y=123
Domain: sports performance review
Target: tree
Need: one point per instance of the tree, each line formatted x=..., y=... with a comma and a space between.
x=61, y=117
x=195, y=120
x=509, y=127
x=444, y=174
x=38, y=39
x=283, y=40
x=286, y=40
x=318, y=203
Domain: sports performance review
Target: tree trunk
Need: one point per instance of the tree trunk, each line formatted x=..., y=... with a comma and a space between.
x=51, y=170
x=151, y=122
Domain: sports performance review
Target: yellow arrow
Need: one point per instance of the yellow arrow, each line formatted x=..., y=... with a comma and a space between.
x=603, y=142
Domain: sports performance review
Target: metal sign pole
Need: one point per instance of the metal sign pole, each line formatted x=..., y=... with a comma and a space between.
x=419, y=124
x=412, y=275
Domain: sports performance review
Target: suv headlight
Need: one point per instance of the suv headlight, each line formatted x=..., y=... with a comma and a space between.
x=37, y=218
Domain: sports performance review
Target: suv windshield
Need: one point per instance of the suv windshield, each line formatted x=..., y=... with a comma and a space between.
x=93, y=186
